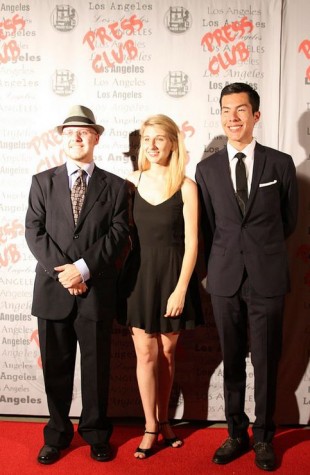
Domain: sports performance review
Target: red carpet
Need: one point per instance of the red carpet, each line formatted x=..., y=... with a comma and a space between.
x=21, y=441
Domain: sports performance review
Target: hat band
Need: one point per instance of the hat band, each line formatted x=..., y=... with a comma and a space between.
x=77, y=118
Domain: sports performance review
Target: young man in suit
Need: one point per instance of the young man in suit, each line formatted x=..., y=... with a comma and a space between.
x=249, y=208
x=79, y=253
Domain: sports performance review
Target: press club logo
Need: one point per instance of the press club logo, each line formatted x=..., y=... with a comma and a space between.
x=178, y=20
x=63, y=82
x=177, y=84
x=64, y=18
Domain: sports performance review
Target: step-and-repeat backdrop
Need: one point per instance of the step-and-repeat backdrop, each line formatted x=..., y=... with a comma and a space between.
x=127, y=60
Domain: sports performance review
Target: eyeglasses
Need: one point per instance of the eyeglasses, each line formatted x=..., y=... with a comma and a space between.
x=83, y=133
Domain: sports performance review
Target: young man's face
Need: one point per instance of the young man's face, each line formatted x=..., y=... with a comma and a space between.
x=238, y=120
x=79, y=143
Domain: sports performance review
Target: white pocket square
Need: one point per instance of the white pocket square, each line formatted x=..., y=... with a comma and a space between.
x=268, y=184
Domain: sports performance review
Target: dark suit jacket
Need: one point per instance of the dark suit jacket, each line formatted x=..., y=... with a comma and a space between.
x=100, y=238
x=257, y=240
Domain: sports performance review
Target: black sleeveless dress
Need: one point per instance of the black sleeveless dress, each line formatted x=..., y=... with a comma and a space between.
x=154, y=266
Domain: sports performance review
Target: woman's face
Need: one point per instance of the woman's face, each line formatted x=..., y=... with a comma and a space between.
x=156, y=145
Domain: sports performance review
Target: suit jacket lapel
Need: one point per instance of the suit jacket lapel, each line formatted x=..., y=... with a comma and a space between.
x=258, y=167
x=227, y=181
x=96, y=187
x=62, y=192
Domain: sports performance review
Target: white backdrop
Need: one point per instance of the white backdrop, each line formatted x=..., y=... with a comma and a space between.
x=127, y=60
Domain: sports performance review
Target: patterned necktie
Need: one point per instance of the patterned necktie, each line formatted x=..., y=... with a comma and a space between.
x=78, y=192
x=241, y=182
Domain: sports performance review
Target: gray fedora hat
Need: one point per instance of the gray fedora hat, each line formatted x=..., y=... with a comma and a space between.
x=80, y=116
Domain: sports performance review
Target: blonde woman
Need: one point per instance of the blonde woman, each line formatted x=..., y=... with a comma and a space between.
x=161, y=302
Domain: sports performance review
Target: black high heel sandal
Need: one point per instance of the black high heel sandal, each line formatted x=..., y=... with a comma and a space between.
x=172, y=440
x=146, y=452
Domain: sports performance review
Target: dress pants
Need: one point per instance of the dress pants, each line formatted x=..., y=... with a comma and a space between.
x=246, y=322
x=58, y=344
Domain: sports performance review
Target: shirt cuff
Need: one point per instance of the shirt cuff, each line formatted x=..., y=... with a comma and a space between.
x=83, y=269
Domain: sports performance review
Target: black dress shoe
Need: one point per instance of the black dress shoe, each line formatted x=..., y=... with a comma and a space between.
x=101, y=452
x=48, y=454
x=231, y=449
x=264, y=456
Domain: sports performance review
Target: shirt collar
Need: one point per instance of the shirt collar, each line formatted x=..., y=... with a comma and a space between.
x=248, y=150
x=72, y=167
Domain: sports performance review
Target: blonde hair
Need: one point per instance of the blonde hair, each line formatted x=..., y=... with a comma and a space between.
x=178, y=158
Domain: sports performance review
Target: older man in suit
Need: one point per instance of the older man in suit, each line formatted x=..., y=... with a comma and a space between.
x=249, y=207
x=77, y=229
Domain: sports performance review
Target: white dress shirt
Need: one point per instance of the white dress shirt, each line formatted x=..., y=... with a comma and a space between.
x=248, y=162
x=72, y=176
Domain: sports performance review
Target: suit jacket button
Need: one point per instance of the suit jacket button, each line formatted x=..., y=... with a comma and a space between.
x=76, y=236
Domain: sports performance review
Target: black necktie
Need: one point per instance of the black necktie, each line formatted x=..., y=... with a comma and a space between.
x=78, y=194
x=241, y=182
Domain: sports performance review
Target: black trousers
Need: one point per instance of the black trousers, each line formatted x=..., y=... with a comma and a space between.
x=58, y=345
x=248, y=321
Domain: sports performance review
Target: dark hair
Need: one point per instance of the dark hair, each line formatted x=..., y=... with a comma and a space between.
x=237, y=88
